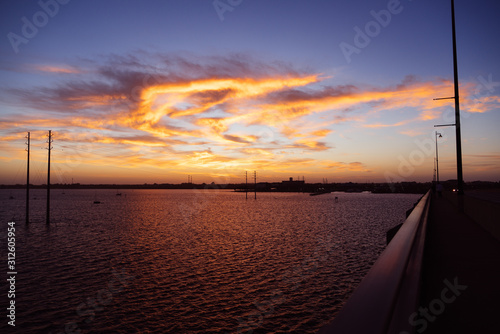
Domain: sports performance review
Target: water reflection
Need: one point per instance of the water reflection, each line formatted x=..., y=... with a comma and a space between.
x=202, y=261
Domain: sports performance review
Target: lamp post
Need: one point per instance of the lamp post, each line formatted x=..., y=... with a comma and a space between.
x=437, y=157
x=434, y=175
x=460, y=177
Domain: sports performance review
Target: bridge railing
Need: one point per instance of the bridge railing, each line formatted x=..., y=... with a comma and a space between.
x=389, y=293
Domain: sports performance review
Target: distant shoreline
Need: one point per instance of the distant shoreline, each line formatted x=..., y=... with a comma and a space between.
x=400, y=187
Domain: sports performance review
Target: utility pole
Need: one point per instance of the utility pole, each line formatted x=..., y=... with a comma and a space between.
x=28, y=182
x=47, y=221
x=255, y=184
x=246, y=184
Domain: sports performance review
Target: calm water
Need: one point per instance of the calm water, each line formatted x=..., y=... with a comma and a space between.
x=190, y=261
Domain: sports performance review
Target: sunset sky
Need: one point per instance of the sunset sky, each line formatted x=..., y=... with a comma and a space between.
x=154, y=91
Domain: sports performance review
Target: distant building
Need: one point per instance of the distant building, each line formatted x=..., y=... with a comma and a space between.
x=292, y=185
x=291, y=182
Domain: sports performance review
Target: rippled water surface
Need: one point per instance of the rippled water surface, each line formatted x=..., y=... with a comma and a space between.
x=190, y=261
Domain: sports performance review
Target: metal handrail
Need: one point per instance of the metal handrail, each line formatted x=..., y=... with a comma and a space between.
x=389, y=293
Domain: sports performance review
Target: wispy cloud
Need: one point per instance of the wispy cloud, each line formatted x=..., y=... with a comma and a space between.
x=217, y=112
x=351, y=166
x=412, y=132
x=56, y=69
x=483, y=162
x=379, y=125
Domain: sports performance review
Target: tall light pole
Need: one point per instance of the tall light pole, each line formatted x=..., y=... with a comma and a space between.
x=437, y=159
x=460, y=177
x=434, y=175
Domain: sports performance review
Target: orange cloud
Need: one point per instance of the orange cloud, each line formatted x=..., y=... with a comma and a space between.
x=412, y=133
x=56, y=69
x=230, y=115
x=379, y=125
x=321, y=133
x=481, y=104
x=310, y=144
x=351, y=166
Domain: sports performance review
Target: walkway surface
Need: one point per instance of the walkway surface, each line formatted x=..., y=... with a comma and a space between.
x=461, y=273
